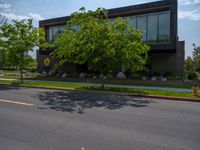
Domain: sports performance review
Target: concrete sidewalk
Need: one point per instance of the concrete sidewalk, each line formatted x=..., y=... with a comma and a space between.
x=112, y=85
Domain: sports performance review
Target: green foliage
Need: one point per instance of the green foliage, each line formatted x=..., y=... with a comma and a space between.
x=156, y=74
x=198, y=76
x=90, y=38
x=191, y=75
x=169, y=75
x=192, y=64
x=189, y=64
x=196, y=57
x=17, y=40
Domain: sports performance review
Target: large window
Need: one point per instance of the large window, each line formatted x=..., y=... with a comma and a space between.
x=141, y=25
x=53, y=31
x=164, y=27
x=155, y=26
x=132, y=21
x=152, y=30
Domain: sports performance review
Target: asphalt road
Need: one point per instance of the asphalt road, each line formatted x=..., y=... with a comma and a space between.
x=38, y=119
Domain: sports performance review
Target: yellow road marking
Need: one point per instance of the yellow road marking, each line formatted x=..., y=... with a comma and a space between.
x=82, y=148
x=15, y=102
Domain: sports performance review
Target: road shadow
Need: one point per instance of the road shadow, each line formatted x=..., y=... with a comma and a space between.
x=71, y=101
x=8, y=87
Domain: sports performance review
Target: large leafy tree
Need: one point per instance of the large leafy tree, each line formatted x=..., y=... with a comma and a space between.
x=3, y=21
x=17, y=40
x=193, y=63
x=90, y=38
x=196, y=57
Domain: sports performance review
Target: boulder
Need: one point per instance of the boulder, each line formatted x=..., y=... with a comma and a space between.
x=144, y=78
x=94, y=77
x=44, y=73
x=154, y=78
x=64, y=75
x=50, y=73
x=121, y=76
x=82, y=75
x=104, y=77
x=164, y=79
x=27, y=74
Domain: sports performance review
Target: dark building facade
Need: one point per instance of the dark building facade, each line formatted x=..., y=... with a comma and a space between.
x=158, y=20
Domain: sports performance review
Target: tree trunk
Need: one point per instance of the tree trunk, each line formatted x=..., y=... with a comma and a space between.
x=21, y=75
x=102, y=82
x=21, y=66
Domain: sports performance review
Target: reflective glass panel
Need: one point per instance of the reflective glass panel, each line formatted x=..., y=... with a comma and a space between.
x=141, y=25
x=53, y=32
x=132, y=21
x=164, y=27
x=152, y=30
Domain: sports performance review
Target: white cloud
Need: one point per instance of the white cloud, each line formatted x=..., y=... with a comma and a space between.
x=191, y=15
x=188, y=2
x=12, y=16
x=36, y=16
x=5, y=6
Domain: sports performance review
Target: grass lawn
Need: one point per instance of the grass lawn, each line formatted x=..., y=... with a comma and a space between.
x=97, y=88
x=12, y=74
x=172, y=84
x=157, y=83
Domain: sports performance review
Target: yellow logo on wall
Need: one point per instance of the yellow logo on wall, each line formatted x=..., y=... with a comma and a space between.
x=47, y=62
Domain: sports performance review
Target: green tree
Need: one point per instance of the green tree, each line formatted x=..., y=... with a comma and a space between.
x=90, y=38
x=196, y=57
x=17, y=40
x=189, y=64
x=193, y=63
x=3, y=21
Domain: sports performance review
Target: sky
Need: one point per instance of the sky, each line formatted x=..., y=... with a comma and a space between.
x=188, y=13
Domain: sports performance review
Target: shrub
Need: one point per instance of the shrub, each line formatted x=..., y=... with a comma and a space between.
x=191, y=75
x=72, y=75
x=156, y=74
x=136, y=76
x=169, y=75
x=144, y=73
x=198, y=76
x=109, y=76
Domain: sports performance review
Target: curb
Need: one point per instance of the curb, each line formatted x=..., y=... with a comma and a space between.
x=168, y=98
x=117, y=93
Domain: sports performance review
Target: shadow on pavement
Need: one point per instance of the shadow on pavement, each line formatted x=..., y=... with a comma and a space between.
x=7, y=87
x=71, y=101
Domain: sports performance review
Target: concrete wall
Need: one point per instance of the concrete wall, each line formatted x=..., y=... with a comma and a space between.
x=170, y=62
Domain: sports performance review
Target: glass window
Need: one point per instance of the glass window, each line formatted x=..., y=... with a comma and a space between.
x=53, y=32
x=111, y=19
x=152, y=29
x=132, y=21
x=141, y=25
x=164, y=27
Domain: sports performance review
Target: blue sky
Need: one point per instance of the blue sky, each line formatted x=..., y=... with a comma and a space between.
x=188, y=23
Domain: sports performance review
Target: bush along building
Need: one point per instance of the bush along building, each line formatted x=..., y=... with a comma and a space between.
x=157, y=20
